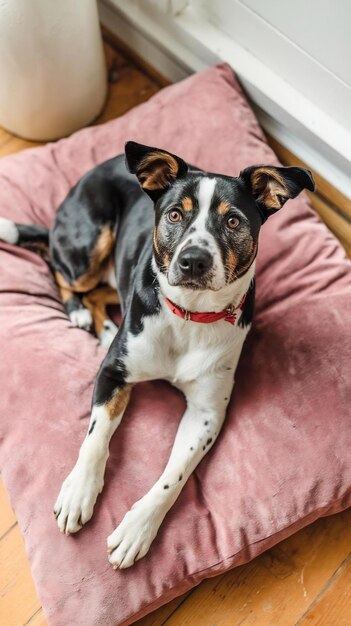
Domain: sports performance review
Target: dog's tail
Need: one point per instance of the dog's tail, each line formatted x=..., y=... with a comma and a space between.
x=23, y=234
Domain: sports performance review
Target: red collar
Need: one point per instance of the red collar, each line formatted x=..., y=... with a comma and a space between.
x=228, y=314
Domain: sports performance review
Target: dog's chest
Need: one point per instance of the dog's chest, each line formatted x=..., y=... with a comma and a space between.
x=180, y=351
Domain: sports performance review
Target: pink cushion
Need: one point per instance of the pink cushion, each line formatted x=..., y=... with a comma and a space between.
x=283, y=458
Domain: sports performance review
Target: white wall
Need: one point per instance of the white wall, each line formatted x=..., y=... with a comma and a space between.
x=320, y=27
x=306, y=42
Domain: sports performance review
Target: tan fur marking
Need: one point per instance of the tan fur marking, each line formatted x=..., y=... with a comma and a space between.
x=230, y=265
x=161, y=256
x=156, y=242
x=97, y=301
x=253, y=253
x=119, y=401
x=99, y=260
x=223, y=207
x=66, y=292
x=61, y=281
x=268, y=185
x=187, y=204
x=157, y=170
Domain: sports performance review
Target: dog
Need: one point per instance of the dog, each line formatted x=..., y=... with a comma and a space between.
x=176, y=247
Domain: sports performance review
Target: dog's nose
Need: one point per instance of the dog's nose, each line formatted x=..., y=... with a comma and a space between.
x=194, y=262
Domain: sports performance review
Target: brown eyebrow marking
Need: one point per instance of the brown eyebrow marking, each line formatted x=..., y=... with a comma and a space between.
x=223, y=207
x=187, y=204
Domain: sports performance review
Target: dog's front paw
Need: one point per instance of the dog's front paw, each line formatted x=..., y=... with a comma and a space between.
x=108, y=333
x=132, y=538
x=82, y=318
x=75, y=503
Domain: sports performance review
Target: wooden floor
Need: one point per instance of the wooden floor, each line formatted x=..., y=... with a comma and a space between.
x=304, y=580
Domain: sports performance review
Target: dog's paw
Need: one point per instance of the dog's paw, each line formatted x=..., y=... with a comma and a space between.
x=81, y=318
x=75, y=503
x=108, y=333
x=133, y=537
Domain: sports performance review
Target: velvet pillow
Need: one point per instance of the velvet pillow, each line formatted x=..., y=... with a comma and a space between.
x=283, y=457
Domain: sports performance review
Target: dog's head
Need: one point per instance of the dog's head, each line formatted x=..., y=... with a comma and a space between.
x=207, y=225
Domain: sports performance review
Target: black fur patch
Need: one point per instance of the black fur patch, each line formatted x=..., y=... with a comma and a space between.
x=91, y=427
x=249, y=307
x=73, y=304
x=112, y=375
x=32, y=234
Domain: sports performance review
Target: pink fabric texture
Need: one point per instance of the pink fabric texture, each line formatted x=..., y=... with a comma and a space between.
x=283, y=457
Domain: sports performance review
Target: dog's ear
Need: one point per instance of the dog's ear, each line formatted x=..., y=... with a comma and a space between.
x=272, y=186
x=156, y=169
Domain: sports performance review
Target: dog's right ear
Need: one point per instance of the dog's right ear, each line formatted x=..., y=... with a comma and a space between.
x=272, y=186
x=156, y=169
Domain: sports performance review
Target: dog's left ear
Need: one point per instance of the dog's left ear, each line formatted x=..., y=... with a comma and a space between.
x=156, y=169
x=273, y=186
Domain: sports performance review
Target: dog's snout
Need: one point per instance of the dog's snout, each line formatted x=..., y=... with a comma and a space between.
x=194, y=262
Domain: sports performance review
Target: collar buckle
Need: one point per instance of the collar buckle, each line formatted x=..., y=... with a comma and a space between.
x=231, y=314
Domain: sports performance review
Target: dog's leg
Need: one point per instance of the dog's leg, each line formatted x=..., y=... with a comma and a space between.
x=97, y=301
x=207, y=399
x=79, y=314
x=75, y=503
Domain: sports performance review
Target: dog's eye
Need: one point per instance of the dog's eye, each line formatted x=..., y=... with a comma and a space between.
x=174, y=215
x=232, y=222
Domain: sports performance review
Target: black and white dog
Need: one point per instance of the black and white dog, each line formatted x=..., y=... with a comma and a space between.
x=178, y=246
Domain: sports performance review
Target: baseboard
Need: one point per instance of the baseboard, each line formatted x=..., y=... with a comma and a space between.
x=179, y=45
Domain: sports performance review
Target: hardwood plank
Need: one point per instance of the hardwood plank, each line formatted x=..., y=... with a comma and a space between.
x=324, y=188
x=159, y=617
x=347, y=247
x=18, y=597
x=333, y=207
x=333, y=606
x=15, y=144
x=335, y=222
x=5, y=137
x=131, y=88
x=7, y=517
x=128, y=86
x=134, y=58
x=275, y=588
x=38, y=619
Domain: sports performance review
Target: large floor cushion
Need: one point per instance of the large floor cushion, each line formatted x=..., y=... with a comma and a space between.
x=283, y=458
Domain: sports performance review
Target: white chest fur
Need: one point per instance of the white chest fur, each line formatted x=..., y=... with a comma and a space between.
x=180, y=351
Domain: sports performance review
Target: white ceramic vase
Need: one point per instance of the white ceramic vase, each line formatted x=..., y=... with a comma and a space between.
x=52, y=67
